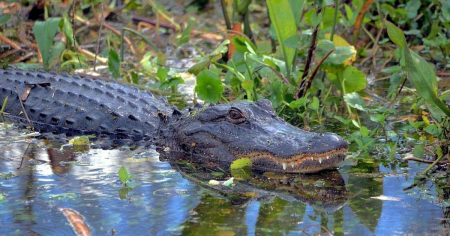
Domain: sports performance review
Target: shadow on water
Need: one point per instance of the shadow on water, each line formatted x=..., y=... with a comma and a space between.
x=175, y=198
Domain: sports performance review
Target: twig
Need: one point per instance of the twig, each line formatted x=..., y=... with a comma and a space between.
x=9, y=52
x=316, y=69
x=23, y=109
x=308, y=226
x=9, y=42
x=23, y=156
x=399, y=91
x=312, y=48
x=422, y=160
x=280, y=75
x=137, y=19
x=24, y=57
x=102, y=20
x=72, y=22
x=132, y=49
x=91, y=55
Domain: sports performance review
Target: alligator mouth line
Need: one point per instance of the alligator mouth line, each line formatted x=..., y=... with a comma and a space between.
x=302, y=163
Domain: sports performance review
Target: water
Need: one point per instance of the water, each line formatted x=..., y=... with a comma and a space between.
x=361, y=198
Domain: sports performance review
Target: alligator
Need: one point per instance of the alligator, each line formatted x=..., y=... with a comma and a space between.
x=119, y=114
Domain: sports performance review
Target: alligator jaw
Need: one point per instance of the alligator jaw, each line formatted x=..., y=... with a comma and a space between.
x=302, y=163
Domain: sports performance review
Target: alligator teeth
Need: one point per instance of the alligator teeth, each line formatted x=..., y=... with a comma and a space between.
x=292, y=164
x=328, y=157
x=320, y=160
x=284, y=165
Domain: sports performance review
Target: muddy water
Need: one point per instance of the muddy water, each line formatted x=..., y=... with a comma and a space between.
x=38, y=179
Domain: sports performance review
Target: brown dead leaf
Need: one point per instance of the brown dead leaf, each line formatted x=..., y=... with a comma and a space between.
x=76, y=221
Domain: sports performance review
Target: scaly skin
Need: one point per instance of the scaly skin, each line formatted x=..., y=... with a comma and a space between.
x=127, y=115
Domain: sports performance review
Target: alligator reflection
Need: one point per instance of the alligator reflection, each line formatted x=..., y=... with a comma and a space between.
x=277, y=195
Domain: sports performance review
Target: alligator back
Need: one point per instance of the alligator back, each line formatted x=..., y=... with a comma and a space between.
x=79, y=106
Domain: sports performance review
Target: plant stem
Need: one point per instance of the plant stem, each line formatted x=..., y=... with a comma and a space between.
x=336, y=9
x=225, y=14
x=433, y=164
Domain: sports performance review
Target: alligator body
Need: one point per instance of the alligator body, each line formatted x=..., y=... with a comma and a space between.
x=217, y=134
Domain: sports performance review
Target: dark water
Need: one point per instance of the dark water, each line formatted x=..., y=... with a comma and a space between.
x=360, y=199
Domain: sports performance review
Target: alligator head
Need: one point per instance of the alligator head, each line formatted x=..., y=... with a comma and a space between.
x=223, y=133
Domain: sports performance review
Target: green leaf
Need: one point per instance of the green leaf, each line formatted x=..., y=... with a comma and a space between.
x=80, y=141
x=222, y=48
x=44, y=32
x=364, y=131
x=123, y=175
x=66, y=28
x=283, y=21
x=276, y=93
x=114, y=63
x=161, y=73
x=353, y=79
x=199, y=67
x=412, y=6
x=57, y=49
x=301, y=102
x=424, y=79
x=186, y=35
x=315, y=104
x=4, y=18
x=241, y=163
x=355, y=101
x=297, y=9
x=339, y=56
x=419, y=151
x=209, y=86
x=433, y=130
x=396, y=34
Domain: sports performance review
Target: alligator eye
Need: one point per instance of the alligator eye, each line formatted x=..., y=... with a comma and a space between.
x=235, y=116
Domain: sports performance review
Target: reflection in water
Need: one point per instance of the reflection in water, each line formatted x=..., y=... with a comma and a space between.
x=282, y=200
x=176, y=199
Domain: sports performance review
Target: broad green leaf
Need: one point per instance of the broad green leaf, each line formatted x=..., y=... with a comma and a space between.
x=315, y=104
x=161, y=73
x=123, y=175
x=353, y=79
x=355, y=101
x=342, y=55
x=285, y=27
x=445, y=9
x=199, y=67
x=301, y=102
x=209, y=86
x=433, y=130
x=364, y=131
x=44, y=32
x=186, y=35
x=114, y=63
x=241, y=163
x=412, y=6
x=297, y=9
x=419, y=151
x=242, y=44
x=4, y=18
x=424, y=79
x=57, y=49
x=276, y=93
x=396, y=34
x=222, y=48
